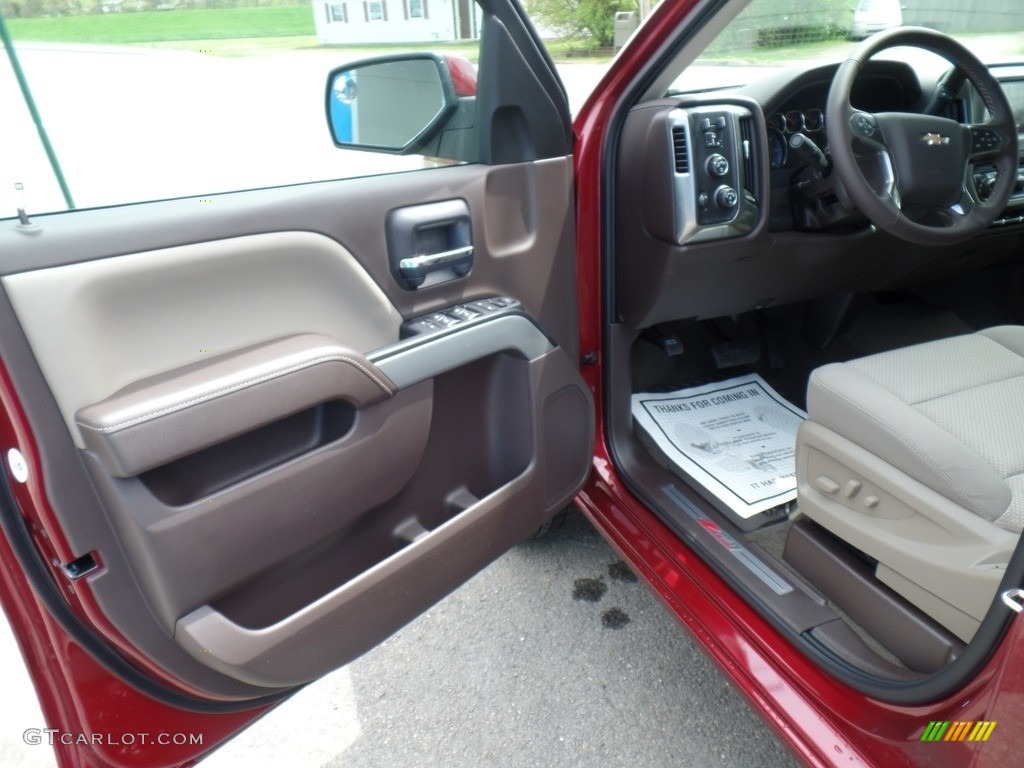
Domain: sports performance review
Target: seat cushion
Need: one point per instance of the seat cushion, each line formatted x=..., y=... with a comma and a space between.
x=948, y=413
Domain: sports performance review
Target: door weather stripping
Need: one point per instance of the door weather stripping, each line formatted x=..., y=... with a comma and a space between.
x=1014, y=599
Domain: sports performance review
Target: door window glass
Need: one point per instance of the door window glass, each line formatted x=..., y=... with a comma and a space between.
x=144, y=103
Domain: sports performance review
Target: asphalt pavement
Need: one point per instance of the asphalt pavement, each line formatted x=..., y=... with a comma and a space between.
x=553, y=656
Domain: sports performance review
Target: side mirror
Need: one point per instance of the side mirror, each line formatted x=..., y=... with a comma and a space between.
x=399, y=104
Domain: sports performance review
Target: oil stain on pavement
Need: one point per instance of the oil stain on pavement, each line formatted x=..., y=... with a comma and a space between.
x=591, y=590
x=619, y=571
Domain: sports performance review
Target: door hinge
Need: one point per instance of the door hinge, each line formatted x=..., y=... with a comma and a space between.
x=1014, y=599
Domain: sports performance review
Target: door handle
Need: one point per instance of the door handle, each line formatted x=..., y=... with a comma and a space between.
x=415, y=269
x=430, y=243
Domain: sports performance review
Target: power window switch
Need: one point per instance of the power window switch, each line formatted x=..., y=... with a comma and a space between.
x=418, y=326
x=462, y=313
x=442, y=320
x=484, y=305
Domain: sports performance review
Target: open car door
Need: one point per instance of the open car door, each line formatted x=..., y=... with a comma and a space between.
x=248, y=436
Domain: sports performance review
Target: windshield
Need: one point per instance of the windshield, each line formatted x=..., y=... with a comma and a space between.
x=772, y=34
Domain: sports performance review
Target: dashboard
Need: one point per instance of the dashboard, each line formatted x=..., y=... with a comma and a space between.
x=1011, y=78
x=718, y=213
x=804, y=111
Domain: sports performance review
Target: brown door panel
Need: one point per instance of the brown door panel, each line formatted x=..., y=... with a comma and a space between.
x=260, y=525
x=472, y=497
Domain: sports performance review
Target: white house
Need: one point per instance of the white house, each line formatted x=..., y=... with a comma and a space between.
x=395, y=21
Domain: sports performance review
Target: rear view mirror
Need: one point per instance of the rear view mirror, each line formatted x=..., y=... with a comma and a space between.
x=396, y=104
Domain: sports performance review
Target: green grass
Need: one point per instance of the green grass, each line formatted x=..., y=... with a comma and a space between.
x=164, y=26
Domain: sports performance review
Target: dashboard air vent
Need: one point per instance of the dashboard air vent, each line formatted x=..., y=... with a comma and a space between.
x=747, y=145
x=680, y=148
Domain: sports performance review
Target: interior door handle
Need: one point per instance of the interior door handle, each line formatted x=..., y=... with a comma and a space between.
x=458, y=260
x=430, y=243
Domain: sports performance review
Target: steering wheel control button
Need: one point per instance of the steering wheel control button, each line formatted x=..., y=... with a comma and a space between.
x=864, y=125
x=984, y=140
x=717, y=165
x=726, y=197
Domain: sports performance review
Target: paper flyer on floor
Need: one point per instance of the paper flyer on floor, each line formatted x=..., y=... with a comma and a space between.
x=737, y=438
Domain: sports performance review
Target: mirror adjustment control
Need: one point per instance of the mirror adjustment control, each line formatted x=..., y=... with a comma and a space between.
x=460, y=314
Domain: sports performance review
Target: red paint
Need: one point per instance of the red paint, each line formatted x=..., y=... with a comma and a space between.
x=76, y=694
x=35, y=507
x=463, y=74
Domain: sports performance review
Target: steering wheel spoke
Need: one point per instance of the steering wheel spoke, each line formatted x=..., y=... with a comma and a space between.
x=912, y=175
x=864, y=126
x=986, y=141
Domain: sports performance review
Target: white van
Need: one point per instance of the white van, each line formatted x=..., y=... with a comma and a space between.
x=875, y=15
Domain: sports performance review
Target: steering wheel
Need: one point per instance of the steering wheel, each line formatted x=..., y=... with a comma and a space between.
x=921, y=186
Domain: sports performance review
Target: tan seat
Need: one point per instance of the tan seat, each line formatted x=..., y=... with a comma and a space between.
x=916, y=457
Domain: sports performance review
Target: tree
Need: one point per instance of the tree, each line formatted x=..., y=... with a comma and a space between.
x=581, y=18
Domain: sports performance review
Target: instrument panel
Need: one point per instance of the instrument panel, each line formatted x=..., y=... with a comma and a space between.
x=781, y=125
x=804, y=112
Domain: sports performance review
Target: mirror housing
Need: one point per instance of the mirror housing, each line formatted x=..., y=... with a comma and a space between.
x=410, y=103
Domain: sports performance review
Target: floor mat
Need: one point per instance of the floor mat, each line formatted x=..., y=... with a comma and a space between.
x=735, y=437
x=881, y=327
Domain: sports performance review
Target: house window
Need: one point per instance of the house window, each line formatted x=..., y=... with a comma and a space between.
x=337, y=12
x=376, y=10
x=415, y=9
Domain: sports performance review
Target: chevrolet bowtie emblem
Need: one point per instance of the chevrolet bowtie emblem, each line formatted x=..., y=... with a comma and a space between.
x=934, y=139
